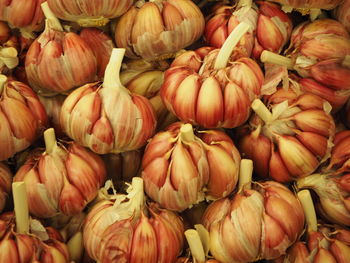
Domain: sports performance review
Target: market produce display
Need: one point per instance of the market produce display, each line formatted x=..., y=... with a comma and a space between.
x=174, y=131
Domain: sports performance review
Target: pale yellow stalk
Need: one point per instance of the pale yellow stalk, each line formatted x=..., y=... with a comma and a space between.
x=261, y=110
x=195, y=244
x=186, y=133
x=243, y=3
x=21, y=207
x=76, y=247
x=50, y=140
x=112, y=72
x=51, y=19
x=272, y=58
x=229, y=44
x=309, y=210
x=245, y=174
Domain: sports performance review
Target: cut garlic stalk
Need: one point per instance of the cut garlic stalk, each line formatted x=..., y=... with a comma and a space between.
x=309, y=210
x=76, y=247
x=195, y=245
x=245, y=174
x=261, y=110
x=230, y=43
x=186, y=133
x=51, y=19
x=270, y=57
x=50, y=140
x=21, y=207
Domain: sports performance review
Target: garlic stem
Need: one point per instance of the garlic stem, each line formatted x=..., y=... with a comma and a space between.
x=242, y=3
x=186, y=133
x=270, y=57
x=229, y=44
x=309, y=210
x=346, y=61
x=315, y=13
x=26, y=33
x=261, y=110
x=3, y=80
x=136, y=200
x=9, y=56
x=112, y=72
x=75, y=247
x=245, y=174
x=50, y=140
x=195, y=245
x=21, y=207
x=204, y=236
x=51, y=19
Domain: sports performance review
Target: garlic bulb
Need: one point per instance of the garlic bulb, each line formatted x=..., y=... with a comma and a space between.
x=332, y=184
x=180, y=167
x=23, y=14
x=22, y=117
x=260, y=222
x=290, y=137
x=323, y=242
x=62, y=179
x=215, y=91
x=159, y=28
x=226, y=18
x=89, y=13
x=89, y=114
x=273, y=30
x=319, y=50
x=56, y=61
x=116, y=228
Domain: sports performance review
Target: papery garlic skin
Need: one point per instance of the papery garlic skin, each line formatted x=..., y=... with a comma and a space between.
x=178, y=164
x=101, y=45
x=332, y=198
x=22, y=116
x=339, y=160
x=342, y=14
x=212, y=98
x=5, y=184
x=89, y=114
x=89, y=12
x=321, y=50
x=159, y=28
x=274, y=28
x=57, y=62
x=337, y=98
x=146, y=78
x=332, y=184
x=321, y=246
x=294, y=142
x=29, y=247
x=258, y=223
x=63, y=180
x=116, y=228
x=223, y=20
x=24, y=14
